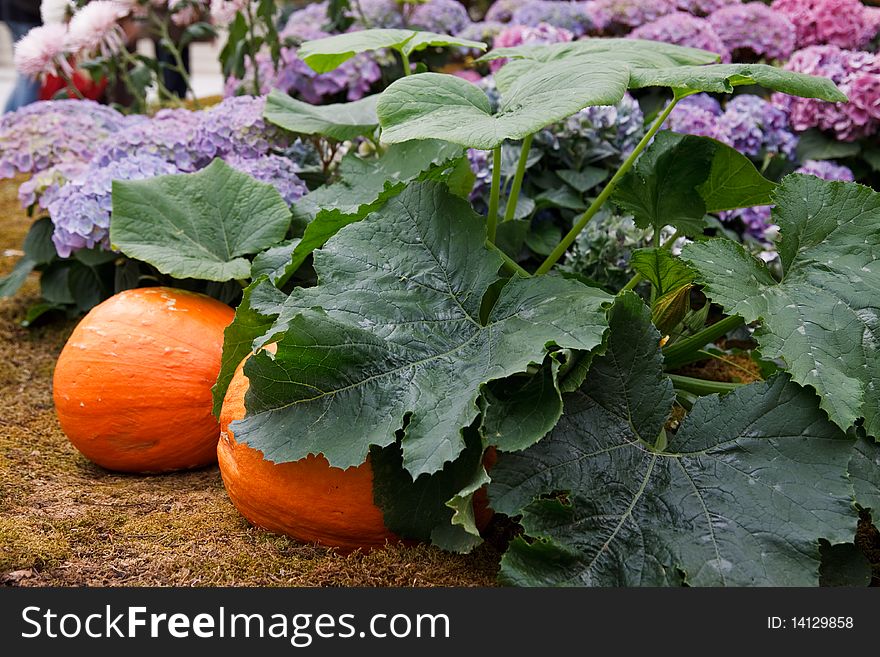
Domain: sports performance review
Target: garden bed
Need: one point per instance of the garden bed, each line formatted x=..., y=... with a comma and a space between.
x=65, y=522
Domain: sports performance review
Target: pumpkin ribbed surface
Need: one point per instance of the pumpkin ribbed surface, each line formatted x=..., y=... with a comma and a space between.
x=132, y=386
x=307, y=499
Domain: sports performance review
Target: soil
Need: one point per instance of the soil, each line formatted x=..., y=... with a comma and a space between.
x=66, y=522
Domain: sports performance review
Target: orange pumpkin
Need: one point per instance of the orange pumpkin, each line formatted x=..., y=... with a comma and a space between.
x=132, y=386
x=307, y=499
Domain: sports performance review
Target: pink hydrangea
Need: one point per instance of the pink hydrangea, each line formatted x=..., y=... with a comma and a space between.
x=223, y=11
x=186, y=12
x=95, y=29
x=624, y=14
x=858, y=76
x=682, y=29
x=844, y=23
x=40, y=52
x=518, y=35
x=756, y=28
x=704, y=7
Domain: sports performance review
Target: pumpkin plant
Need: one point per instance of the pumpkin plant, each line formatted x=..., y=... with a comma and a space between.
x=421, y=345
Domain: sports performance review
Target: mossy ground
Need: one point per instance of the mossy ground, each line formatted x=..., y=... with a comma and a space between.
x=67, y=522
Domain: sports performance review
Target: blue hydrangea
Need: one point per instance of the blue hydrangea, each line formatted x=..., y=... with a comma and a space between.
x=826, y=170
x=236, y=126
x=376, y=13
x=754, y=126
x=441, y=16
x=275, y=170
x=573, y=16
x=80, y=210
x=696, y=115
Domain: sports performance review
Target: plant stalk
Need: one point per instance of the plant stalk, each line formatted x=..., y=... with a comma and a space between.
x=701, y=386
x=251, y=49
x=688, y=350
x=585, y=218
x=406, y=66
x=508, y=263
x=495, y=193
x=179, y=66
x=513, y=198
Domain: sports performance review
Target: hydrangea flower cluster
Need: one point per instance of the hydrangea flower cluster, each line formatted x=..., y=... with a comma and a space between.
x=441, y=16
x=484, y=31
x=501, y=11
x=354, y=77
x=696, y=115
x=625, y=14
x=185, y=12
x=754, y=30
x=481, y=165
x=169, y=135
x=518, y=35
x=304, y=23
x=42, y=135
x=41, y=186
x=858, y=76
x=748, y=123
x=704, y=7
x=754, y=126
x=236, y=125
x=223, y=11
x=275, y=170
x=376, y=13
x=80, y=210
x=683, y=29
x=843, y=23
x=601, y=132
x=827, y=170
x=576, y=17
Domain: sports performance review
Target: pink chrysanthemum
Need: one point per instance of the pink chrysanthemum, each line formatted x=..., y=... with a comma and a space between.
x=185, y=12
x=95, y=29
x=40, y=52
x=223, y=11
x=843, y=23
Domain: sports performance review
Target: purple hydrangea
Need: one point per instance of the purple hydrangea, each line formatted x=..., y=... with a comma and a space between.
x=169, y=135
x=518, y=35
x=304, y=22
x=484, y=31
x=754, y=126
x=621, y=15
x=275, y=170
x=441, y=16
x=601, y=132
x=42, y=135
x=354, y=78
x=682, y=29
x=236, y=126
x=858, y=76
x=696, y=115
x=704, y=7
x=501, y=11
x=842, y=23
x=481, y=165
x=80, y=210
x=827, y=170
x=575, y=17
x=756, y=29
x=41, y=186
x=376, y=13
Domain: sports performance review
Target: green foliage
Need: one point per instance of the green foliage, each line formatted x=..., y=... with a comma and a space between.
x=340, y=121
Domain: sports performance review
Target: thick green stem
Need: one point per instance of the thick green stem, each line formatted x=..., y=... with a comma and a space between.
x=513, y=198
x=495, y=193
x=688, y=350
x=69, y=83
x=584, y=219
x=406, y=66
x=701, y=386
x=179, y=66
x=508, y=263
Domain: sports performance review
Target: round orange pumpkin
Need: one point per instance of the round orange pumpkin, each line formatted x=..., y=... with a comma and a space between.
x=307, y=499
x=132, y=386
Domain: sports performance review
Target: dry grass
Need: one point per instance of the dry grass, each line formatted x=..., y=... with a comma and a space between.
x=67, y=522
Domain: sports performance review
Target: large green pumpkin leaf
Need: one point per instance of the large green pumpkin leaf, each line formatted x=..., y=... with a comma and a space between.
x=198, y=225
x=681, y=177
x=608, y=504
x=433, y=105
x=823, y=317
x=363, y=186
x=338, y=121
x=326, y=54
x=864, y=471
x=393, y=337
x=722, y=78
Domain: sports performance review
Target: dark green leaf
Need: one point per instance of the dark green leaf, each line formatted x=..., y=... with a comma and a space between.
x=275, y=262
x=584, y=180
x=816, y=145
x=399, y=336
x=843, y=565
x=38, y=244
x=198, y=225
x=864, y=471
x=666, y=273
x=12, y=282
x=54, y=283
x=823, y=318
x=339, y=121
